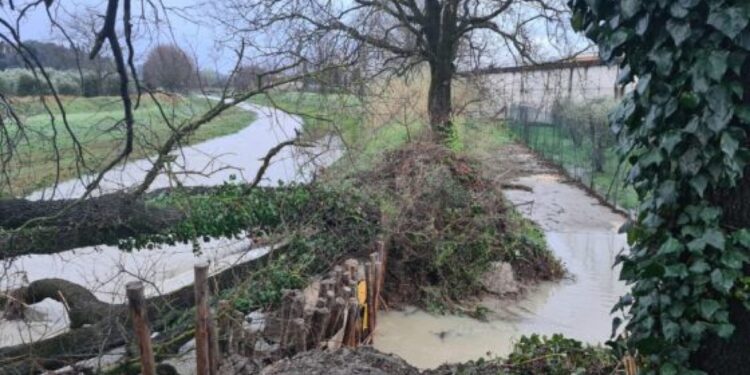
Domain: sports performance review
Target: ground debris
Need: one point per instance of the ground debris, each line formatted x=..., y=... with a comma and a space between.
x=341, y=362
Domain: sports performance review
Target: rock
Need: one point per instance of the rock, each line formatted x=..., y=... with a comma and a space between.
x=256, y=321
x=500, y=279
x=187, y=347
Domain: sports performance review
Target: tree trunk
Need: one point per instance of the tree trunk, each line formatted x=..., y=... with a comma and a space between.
x=716, y=355
x=439, y=103
x=95, y=221
x=105, y=327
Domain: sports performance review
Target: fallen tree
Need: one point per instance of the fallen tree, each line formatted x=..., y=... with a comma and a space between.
x=107, y=326
x=320, y=227
x=52, y=226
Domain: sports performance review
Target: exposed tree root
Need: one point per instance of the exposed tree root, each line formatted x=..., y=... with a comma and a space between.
x=98, y=326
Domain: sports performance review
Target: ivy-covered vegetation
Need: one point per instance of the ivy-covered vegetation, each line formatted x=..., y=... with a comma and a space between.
x=683, y=130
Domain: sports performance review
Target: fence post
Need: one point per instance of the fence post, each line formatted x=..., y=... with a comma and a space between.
x=137, y=304
x=202, y=322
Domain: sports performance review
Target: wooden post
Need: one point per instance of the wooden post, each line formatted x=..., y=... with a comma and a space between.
x=350, y=329
x=371, y=282
x=137, y=303
x=202, y=321
x=378, y=288
x=300, y=335
x=337, y=312
x=319, y=325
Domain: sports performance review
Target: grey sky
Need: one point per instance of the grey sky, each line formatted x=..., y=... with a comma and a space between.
x=197, y=38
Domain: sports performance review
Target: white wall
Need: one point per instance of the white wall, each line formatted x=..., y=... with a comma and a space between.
x=537, y=90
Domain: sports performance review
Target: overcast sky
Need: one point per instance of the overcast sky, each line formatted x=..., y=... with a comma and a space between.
x=188, y=25
x=199, y=39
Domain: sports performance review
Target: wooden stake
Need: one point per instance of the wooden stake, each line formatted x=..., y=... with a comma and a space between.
x=137, y=303
x=350, y=329
x=202, y=322
x=371, y=285
x=376, y=294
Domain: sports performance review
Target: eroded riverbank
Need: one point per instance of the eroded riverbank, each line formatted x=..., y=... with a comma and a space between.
x=106, y=269
x=581, y=232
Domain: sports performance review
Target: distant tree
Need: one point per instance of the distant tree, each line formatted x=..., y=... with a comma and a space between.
x=27, y=85
x=411, y=33
x=170, y=68
x=247, y=77
x=5, y=86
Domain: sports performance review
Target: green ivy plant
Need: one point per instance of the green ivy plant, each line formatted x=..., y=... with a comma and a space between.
x=683, y=131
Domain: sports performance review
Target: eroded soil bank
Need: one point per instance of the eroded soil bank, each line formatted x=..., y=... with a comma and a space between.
x=580, y=231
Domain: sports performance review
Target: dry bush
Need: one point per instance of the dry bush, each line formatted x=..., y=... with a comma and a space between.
x=447, y=224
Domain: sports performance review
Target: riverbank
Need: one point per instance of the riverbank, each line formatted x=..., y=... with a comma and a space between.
x=105, y=270
x=91, y=120
x=579, y=230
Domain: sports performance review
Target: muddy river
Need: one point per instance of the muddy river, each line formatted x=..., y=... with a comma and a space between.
x=582, y=233
x=105, y=269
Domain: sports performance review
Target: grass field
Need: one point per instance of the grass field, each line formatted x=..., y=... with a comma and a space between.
x=366, y=137
x=94, y=121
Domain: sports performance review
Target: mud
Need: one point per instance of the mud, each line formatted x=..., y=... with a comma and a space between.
x=583, y=235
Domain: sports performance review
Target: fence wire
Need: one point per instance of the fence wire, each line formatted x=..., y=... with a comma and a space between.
x=576, y=137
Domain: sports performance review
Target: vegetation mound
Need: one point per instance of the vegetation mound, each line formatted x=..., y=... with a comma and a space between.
x=447, y=225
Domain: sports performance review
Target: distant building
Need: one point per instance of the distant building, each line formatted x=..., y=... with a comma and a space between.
x=530, y=91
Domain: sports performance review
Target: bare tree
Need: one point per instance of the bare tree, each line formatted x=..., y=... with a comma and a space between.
x=441, y=33
x=170, y=68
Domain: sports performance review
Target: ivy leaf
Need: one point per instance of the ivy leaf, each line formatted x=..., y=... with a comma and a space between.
x=708, y=308
x=725, y=330
x=678, y=11
x=630, y=8
x=729, y=144
x=650, y=345
x=699, y=183
x=730, y=20
x=743, y=113
x=717, y=64
x=699, y=266
x=676, y=270
x=689, y=3
x=714, y=238
x=679, y=31
x=671, y=330
x=670, y=246
x=663, y=58
x=722, y=281
x=668, y=369
x=615, y=40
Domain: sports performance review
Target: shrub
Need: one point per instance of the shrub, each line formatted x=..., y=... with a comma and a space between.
x=28, y=85
x=5, y=87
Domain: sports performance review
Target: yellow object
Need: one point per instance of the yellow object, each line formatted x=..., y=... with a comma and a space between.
x=362, y=299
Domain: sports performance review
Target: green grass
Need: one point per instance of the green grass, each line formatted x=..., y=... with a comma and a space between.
x=95, y=123
x=322, y=113
x=344, y=116
x=558, y=146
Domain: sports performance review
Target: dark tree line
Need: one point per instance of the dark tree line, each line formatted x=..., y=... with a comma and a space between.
x=50, y=55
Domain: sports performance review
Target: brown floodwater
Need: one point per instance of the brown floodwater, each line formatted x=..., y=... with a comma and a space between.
x=581, y=233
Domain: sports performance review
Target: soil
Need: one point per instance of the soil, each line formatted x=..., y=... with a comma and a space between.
x=368, y=361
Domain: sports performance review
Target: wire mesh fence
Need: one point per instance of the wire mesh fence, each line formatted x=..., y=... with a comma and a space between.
x=576, y=137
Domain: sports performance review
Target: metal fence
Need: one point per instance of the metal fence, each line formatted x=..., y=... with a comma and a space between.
x=576, y=137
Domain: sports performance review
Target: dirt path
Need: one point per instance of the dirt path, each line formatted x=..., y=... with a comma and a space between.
x=579, y=230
